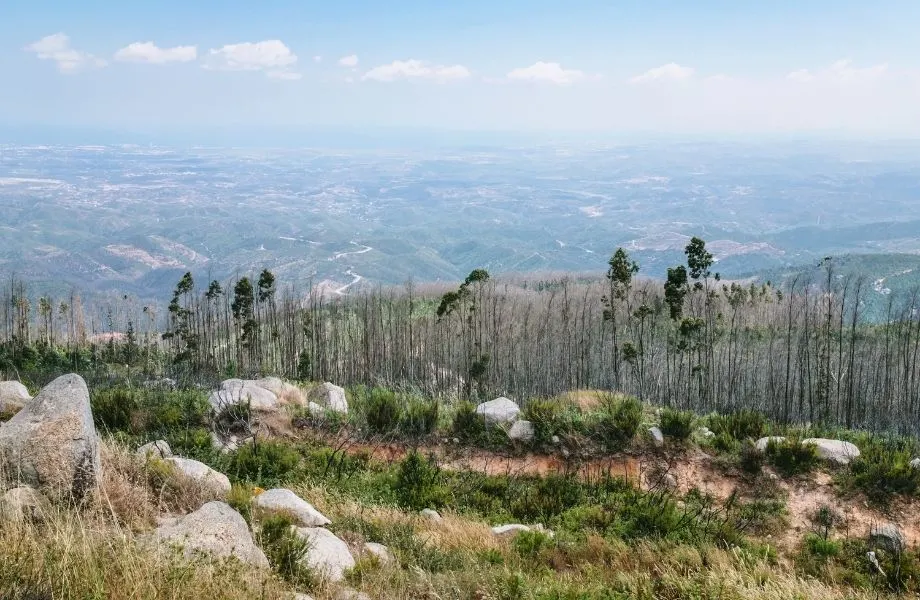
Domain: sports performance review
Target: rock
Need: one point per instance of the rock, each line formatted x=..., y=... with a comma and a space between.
x=163, y=382
x=214, y=529
x=51, y=444
x=302, y=597
x=669, y=481
x=555, y=439
x=202, y=473
x=380, y=552
x=509, y=531
x=888, y=537
x=348, y=594
x=657, y=436
x=762, y=443
x=240, y=391
x=222, y=444
x=431, y=515
x=915, y=463
x=500, y=411
x=156, y=449
x=835, y=451
x=23, y=503
x=316, y=411
x=706, y=432
x=521, y=431
x=13, y=396
x=327, y=555
x=330, y=397
x=287, y=393
x=284, y=501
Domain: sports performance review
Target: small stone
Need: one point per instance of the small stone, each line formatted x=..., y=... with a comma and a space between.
x=155, y=449
x=555, y=439
x=521, y=431
x=657, y=436
x=431, y=515
x=509, y=531
x=380, y=552
x=915, y=463
x=762, y=443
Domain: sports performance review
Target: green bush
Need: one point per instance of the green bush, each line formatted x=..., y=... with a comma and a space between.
x=750, y=459
x=265, y=464
x=543, y=498
x=285, y=550
x=741, y=425
x=421, y=418
x=531, y=545
x=677, y=424
x=546, y=417
x=821, y=547
x=619, y=422
x=882, y=471
x=418, y=483
x=792, y=457
x=467, y=426
x=382, y=410
x=114, y=409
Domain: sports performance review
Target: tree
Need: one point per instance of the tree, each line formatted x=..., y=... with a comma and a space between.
x=675, y=290
x=619, y=280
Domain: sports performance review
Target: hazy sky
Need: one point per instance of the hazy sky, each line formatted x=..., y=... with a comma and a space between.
x=702, y=66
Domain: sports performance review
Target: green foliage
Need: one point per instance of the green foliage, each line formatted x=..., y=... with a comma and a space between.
x=418, y=483
x=740, y=425
x=619, y=422
x=883, y=471
x=420, y=418
x=113, y=408
x=821, y=547
x=677, y=424
x=792, y=457
x=546, y=417
x=240, y=499
x=531, y=545
x=751, y=459
x=547, y=497
x=266, y=464
x=467, y=426
x=382, y=410
x=285, y=550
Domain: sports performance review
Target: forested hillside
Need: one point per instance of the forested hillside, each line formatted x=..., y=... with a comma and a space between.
x=802, y=351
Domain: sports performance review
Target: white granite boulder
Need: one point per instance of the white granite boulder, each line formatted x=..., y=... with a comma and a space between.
x=201, y=473
x=13, y=396
x=500, y=411
x=521, y=431
x=834, y=451
x=282, y=501
x=155, y=449
x=327, y=554
x=330, y=397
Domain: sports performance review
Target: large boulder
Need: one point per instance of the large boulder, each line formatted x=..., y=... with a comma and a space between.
x=431, y=514
x=13, y=396
x=500, y=411
x=509, y=531
x=521, y=431
x=241, y=391
x=835, y=451
x=214, y=529
x=762, y=443
x=327, y=554
x=287, y=393
x=23, y=503
x=380, y=552
x=329, y=396
x=51, y=444
x=887, y=536
x=282, y=501
x=201, y=473
x=155, y=449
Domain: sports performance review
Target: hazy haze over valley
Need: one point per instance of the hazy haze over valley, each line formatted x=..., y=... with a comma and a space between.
x=133, y=218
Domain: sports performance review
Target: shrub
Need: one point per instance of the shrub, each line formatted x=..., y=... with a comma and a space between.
x=821, y=547
x=543, y=498
x=382, y=410
x=619, y=422
x=531, y=545
x=792, y=457
x=882, y=471
x=751, y=459
x=677, y=424
x=285, y=550
x=740, y=425
x=467, y=426
x=265, y=463
x=546, y=417
x=114, y=408
x=418, y=483
x=421, y=418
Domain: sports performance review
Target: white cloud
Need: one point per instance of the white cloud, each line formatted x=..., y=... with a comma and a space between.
x=284, y=75
x=148, y=52
x=56, y=47
x=841, y=71
x=349, y=61
x=270, y=56
x=669, y=72
x=317, y=59
x=416, y=69
x=546, y=72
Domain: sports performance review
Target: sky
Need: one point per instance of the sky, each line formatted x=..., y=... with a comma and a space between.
x=710, y=67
